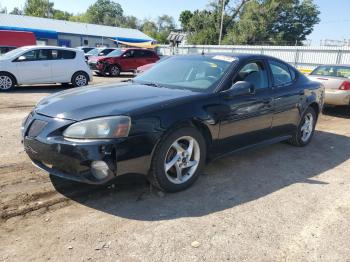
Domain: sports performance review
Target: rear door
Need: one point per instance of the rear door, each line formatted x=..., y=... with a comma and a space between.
x=34, y=67
x=287, y=97
x=62, y=64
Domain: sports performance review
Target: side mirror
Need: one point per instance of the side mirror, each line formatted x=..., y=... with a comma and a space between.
x=21, y=58
x=241, y=88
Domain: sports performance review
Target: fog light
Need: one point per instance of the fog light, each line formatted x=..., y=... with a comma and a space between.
x=100, y=169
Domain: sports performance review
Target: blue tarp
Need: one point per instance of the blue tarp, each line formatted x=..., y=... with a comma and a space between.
x=39, y=33
x=132, y=40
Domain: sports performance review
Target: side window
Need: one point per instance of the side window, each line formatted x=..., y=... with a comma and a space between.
x=280, y=73
x=29, y=56
x=65, y=54
x=44, y=54
x=254, y=73
x=129, y=54
x=139, y=53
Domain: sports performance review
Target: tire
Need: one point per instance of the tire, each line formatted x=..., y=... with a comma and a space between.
x=183, y=168
x=300, y=138
x=80, y=79
x=7, y=82
x=114, y=71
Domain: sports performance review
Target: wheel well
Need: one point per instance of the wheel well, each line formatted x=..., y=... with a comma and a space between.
x=8, y=73
x=315, y=107
x=81, y=72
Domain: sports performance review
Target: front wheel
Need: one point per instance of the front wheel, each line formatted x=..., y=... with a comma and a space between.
x=178, y=159
x=80, y=79
x=6, y=82
x=306, y=128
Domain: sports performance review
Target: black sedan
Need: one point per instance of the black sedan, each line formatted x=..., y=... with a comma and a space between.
x=172, y=119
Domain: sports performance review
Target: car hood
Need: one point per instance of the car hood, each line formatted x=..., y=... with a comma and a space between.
x=123, y=99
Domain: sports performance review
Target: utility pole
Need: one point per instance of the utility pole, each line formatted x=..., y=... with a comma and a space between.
x=222, y=20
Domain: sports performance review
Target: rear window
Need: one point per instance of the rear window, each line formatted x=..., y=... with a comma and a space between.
x=336, y=71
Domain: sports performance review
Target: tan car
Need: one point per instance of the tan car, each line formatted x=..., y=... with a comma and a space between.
x=336, y=79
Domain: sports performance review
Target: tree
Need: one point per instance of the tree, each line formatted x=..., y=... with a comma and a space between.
x=17, y=11
x=61, y=15
x=185, y=18
x=274, y=22
x=39, y=8
x=131, y=22
x=105, y=12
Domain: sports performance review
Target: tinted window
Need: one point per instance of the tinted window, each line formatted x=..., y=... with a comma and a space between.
x=143, y=53
x=62, y=54
x=115, y=53
x=280, y=73
x=254, y=73
x=337, y=71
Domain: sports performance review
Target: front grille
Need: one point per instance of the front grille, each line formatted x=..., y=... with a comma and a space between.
x=36, y=127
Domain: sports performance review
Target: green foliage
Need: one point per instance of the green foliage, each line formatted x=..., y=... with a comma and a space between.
x=105, y=12
x=185, y=18
x=39, y=8
x=275, y=22
x=61, y=15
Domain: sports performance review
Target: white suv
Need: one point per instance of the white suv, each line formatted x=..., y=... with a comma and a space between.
x=43, y=65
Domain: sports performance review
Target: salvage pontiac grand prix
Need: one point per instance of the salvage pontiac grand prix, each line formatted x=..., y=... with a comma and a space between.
x=169, y=121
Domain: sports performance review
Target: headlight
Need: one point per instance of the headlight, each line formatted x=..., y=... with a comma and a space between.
x=104, y=127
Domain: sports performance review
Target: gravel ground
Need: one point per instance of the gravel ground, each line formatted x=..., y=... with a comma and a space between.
x=279, y=203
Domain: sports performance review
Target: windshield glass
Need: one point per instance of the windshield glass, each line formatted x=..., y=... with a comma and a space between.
x=336, y=71
x=94, y=51
x=198, y=73
x=116, y=52
x=12, y=53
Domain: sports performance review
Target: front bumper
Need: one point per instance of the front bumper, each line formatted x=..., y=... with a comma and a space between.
x=337, y=97
x=72, y=159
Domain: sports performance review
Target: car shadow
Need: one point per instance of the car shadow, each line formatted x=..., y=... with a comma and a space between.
x=225, y=183
x=337, y=111
x=37, y=89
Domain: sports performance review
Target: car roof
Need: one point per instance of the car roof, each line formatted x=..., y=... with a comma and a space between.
x=49, y=47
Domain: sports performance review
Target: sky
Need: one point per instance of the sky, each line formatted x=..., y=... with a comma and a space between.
x=335, y=20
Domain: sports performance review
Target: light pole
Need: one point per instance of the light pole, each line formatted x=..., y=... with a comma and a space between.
x=222, y=20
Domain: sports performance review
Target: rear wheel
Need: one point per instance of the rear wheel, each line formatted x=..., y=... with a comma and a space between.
x=178, y=160
x=7, y=82
x=306, y=128
x=80, y=79
x=114, y=71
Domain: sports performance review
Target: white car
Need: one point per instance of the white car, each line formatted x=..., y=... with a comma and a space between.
x=336, y=80
x=43, y=65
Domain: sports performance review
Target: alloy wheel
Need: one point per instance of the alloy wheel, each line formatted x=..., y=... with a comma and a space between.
x=5, y=82
x=81, y=80
x=182, y=160
x=114, y=71
x=307, y=127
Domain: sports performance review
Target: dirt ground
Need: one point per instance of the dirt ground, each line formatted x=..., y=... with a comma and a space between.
x=279, y=203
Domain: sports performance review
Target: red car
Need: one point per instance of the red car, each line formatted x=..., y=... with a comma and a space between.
x=122, y=60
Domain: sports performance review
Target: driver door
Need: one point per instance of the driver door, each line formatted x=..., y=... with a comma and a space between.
x=127, y=61
x=248, y=117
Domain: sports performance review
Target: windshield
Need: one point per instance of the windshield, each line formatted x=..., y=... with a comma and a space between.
x=94, y=51
x=116, y=52
x=198, y=73
x=337, y=71
x=12, y=53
